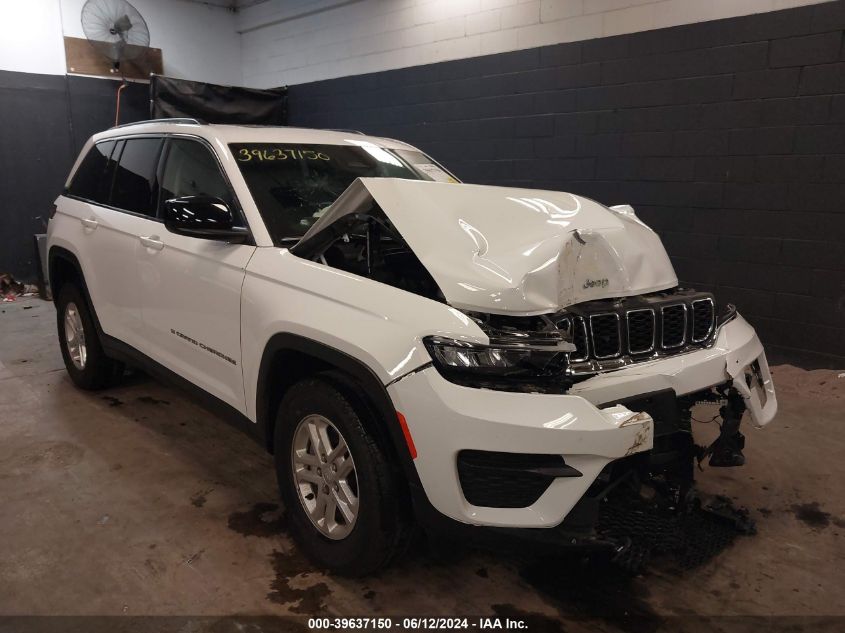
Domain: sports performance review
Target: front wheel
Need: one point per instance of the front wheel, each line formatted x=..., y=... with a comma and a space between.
x=340, y=493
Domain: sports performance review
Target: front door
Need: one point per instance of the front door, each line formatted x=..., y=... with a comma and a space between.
x=191, y=302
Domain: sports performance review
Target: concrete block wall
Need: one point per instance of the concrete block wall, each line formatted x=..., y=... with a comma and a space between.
x=727, y=136
x=294, y=41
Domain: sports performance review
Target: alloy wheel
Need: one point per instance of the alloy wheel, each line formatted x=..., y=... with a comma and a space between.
x=325, y=477
x=75, y=336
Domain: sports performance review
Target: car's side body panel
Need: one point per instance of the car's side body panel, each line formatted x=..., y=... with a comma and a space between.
x=380, y=325
x=190, y=299
x=104, y=242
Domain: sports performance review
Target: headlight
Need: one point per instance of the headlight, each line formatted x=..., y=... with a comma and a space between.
x=512, y=367
x=460, y=355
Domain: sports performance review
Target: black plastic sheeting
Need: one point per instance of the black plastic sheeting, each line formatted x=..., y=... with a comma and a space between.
x=211, y=103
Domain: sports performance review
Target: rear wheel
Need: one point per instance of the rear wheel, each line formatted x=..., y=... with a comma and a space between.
x=85, y=360
x=335, y=480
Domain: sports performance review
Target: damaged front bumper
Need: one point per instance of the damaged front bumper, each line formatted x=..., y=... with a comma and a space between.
x=446, y=420
x=465, y=432
x=736, y=355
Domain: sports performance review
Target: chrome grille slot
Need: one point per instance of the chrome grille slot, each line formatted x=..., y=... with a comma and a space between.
x=579, y=336
x=703, y=319
x=577, y=327
x=605, y=335
x=641, y=330
x=673, y=325
x=612, y=334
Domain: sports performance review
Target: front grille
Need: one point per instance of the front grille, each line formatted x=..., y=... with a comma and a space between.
x=577, y=329
x=614, y=333
x=640, y=330
x=492, y=479
x=606, y=338
x=674, y=320
x=702, y=319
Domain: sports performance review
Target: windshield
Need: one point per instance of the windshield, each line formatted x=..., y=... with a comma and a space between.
x=293, y=185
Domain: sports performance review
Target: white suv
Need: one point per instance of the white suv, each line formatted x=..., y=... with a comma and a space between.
x=412, y=350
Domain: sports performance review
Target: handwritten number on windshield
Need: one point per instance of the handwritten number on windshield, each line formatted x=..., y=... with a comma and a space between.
x=277, y=153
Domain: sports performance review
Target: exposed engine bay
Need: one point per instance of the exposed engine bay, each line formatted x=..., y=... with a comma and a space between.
x=370, y=246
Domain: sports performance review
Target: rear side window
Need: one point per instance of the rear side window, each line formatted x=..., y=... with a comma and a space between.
x=92, y=181
x=135, y=188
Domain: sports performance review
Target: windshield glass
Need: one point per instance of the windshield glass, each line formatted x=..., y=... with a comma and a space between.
x=293, y=185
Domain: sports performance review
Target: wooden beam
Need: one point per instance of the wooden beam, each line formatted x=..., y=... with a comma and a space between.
x=84, y=59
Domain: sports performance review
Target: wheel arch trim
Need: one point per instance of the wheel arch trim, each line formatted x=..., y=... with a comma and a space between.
x=57, y=253
x=343, y=368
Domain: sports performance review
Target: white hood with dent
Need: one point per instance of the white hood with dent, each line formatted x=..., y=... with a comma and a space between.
x=515, y=251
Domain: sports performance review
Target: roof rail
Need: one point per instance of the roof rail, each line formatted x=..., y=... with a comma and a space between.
x=183, y=121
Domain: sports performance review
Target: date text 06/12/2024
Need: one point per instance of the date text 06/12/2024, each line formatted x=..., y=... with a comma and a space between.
x=420, y=623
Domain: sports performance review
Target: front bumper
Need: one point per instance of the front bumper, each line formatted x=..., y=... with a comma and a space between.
x=444, y=418
x=730, y=357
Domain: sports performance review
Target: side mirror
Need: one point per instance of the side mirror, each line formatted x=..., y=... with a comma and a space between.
x=205, y=217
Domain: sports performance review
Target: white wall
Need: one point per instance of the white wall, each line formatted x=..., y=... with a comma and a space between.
x=296, y=41
x=31, y=37
x=282, y=42
x=198, y=41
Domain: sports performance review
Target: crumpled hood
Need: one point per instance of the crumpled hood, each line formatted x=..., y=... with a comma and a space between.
x=514, y=251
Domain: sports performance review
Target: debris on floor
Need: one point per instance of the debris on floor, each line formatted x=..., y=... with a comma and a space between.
x=685, y=538
x=10, y=289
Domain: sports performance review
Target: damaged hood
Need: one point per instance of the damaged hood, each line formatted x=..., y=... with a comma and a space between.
x=514, y=251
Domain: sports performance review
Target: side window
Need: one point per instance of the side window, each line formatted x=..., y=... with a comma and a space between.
x=92, y=180
x=191, y=170
x=135, y=187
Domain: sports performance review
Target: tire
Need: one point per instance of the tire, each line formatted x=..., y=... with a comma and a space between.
x=92, y=369
x=380, y=529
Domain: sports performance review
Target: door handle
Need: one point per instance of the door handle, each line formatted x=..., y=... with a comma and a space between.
x=89, y=223
x=152, y=242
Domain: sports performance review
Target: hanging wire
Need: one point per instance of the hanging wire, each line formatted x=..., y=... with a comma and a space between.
x=705, y=421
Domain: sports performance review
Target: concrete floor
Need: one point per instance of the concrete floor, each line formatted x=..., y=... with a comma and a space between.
x=136, y=501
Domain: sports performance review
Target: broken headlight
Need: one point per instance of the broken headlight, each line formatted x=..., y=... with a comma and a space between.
x=518, y=364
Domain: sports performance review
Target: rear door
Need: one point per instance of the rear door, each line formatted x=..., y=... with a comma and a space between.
x=131, y=217
x=115, y=201
x=191, y=287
